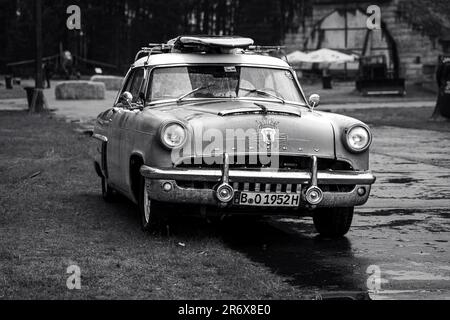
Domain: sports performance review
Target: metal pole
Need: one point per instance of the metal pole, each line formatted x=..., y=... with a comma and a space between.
x=38, y=17
x=38, y=102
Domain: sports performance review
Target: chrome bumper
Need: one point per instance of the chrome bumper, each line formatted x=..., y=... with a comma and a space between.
x=310, y=180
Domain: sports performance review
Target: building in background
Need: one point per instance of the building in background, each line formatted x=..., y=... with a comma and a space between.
x=413, y=33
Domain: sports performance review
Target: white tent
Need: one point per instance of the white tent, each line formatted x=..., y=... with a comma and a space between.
x=328, y=56
x=296, y=57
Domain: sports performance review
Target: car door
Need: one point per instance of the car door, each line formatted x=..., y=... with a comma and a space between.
x=119, y=128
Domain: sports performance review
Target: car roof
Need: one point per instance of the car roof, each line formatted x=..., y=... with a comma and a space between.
x=202, y=58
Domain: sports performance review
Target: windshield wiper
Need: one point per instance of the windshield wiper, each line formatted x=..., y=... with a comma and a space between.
x=264, y=93
x=179, y=99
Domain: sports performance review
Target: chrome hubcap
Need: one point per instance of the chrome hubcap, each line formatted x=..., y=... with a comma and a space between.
x=147, y=203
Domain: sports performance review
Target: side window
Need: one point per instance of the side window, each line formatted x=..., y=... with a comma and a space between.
x=128, y=82
x=134, y=83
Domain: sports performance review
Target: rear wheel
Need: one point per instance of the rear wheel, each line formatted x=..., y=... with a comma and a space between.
x=333, y=222
x=149, y=210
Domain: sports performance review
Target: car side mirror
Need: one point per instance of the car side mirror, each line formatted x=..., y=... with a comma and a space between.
x=126, y=98
x=314, y=101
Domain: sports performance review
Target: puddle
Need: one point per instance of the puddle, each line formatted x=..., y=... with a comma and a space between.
x=403, y=180
x=409, y=294
x=403, y=275
x=388, y=212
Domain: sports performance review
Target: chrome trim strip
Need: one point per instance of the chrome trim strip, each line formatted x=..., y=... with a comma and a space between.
x=225, y=168
x=260, y=176
x=224, y=113
x=314, y=171
x=100, y=137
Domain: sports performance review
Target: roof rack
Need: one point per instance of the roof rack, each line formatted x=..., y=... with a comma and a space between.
x=265, y=49
x=216, y=44
x=154, y=48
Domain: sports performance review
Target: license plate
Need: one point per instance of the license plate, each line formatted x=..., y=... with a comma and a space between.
x=267, y=199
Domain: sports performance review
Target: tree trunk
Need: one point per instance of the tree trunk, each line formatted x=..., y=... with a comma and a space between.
x=438, y=115
x=38, y=103
x=442, y=109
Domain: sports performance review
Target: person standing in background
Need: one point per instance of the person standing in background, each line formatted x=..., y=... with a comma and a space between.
x=46, y=68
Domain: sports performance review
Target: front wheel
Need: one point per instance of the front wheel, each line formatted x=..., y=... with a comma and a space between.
x=333, y=222
x=149, y=210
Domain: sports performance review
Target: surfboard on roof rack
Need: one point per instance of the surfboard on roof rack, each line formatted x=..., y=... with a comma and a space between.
x=229, y=42
x=207, y=44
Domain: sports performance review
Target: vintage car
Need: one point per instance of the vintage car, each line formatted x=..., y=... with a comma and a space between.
x=216, y=126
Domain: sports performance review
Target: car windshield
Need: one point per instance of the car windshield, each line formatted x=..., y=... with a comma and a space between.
x=223, y=82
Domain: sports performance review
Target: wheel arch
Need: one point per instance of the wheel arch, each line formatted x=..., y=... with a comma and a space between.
x=136, y=161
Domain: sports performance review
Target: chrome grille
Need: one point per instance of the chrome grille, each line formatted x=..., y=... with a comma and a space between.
x=262, y=187
x=283, y=162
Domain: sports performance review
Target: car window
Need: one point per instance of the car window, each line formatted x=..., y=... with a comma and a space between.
x=222, y=82
x=134, y=83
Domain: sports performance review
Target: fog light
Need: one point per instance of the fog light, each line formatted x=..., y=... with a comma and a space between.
x=314, y=195
x=224, y=192
x=361, y=191
x=167, y=186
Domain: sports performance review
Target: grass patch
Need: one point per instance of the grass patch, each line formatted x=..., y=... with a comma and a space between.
x=52, y=216
x=415, y=118
x=17, y=92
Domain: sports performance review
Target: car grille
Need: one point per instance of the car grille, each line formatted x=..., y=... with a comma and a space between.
x=263, y=187
x=285, y=163
x=249, y=162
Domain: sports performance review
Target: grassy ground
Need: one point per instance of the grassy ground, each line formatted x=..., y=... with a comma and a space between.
x=17, y=92
x=52, y=216
x=415, y=118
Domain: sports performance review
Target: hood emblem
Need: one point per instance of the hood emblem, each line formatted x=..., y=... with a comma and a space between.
x=268, y=129
x=268, y=135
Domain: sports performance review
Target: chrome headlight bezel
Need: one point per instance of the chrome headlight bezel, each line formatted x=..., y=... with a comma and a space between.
x=346, y=136
x=163, y=129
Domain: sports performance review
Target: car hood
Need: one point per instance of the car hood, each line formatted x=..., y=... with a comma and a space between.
x=299, y=131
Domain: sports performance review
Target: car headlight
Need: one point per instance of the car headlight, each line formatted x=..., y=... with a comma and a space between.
x=173, y=135
x=357, y=138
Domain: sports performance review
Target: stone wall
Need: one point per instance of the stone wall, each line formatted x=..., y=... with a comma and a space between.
x=418, y=52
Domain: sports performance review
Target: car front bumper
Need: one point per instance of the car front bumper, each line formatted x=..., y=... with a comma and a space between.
x=337, y=188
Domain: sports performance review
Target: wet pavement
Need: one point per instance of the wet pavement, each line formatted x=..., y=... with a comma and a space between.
x=398, y=246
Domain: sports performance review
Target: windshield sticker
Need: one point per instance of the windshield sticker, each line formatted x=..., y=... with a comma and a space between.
x=229, y=69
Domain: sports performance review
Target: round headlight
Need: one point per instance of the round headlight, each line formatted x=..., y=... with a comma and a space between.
x=173, y=135
x=358, y=138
